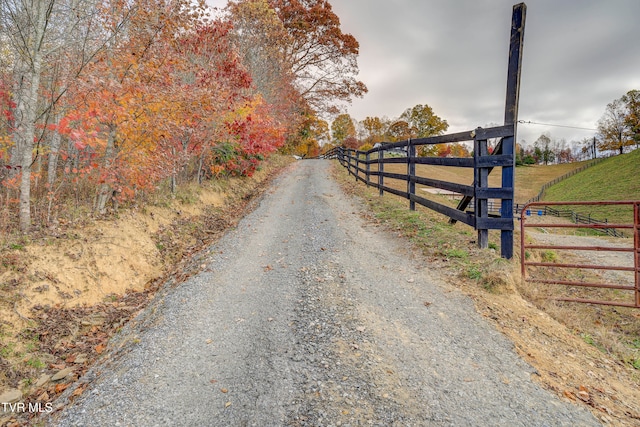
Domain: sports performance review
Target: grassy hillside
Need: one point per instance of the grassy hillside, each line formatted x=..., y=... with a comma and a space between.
x=616, y=178
x=530, y=179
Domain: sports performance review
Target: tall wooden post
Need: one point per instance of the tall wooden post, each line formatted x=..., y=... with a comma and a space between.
x=481, y=180
x=381, y=170
x=511, y=117
x=411, y=173
x=368, y=159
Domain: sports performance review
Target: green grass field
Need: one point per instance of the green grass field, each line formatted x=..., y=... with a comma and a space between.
x=615, y=178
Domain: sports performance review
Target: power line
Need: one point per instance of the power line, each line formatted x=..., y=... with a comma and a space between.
x=549, y=124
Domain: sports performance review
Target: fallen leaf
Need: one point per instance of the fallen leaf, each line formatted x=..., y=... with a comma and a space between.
x=209, y=341
x=99, y=348
x=77, y=392
x=224, y=390
x=427, y=303
x=583, y=395
x=226, y=405
x=71, y=358
x=570, y=395
x=61, y=387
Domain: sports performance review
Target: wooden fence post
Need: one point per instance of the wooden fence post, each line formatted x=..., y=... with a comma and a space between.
x=357, y=174
x=380, y=171
x=368, y=157
x=348, y=161
x=511, y=117
x=481, y=180
x=411, y=173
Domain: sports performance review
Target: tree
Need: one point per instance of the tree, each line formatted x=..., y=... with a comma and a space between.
x=53, y=36
x=589, y=147
x=343, y=128
x=322, y=57
x=261, y=41
x=374, y=129
x=351, y=142
x=313, y=133
x=400, y=130
x=612, y=128
x=25, y=26
x=632, y=117
x=543, y=149
x=424, y=121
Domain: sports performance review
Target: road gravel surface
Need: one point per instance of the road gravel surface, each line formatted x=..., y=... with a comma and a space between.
x=307, y=315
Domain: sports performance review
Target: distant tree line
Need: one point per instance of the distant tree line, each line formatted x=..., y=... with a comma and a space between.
x=419, y=121
x=618, y=132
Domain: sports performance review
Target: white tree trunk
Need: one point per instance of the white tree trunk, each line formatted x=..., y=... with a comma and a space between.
x=105, y=191
x=54, y=154
x=26, y=24
x=25, y=135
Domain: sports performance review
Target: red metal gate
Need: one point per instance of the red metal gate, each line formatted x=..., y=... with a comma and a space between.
x=535, y=209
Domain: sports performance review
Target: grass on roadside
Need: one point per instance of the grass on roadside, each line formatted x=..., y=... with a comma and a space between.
x=441, y=242
x=612, y=330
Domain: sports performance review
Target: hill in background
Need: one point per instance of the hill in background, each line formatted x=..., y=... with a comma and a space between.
x=615, y=178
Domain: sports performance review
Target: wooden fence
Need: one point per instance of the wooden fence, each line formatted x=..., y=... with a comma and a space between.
x=359, y=163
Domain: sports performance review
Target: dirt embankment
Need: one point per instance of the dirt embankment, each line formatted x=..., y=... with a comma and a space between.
x=63, y=294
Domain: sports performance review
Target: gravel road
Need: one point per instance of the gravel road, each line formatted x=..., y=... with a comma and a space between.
x=308, y=316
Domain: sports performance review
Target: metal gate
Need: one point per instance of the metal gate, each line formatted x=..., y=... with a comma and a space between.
x=532, y=210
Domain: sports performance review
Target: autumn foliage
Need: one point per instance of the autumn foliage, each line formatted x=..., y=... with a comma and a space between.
x=122, y=98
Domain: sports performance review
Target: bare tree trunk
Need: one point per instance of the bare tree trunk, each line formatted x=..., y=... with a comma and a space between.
x=25, y=24
x=200, y=168
x=25, y=135
x=174, y=172
x=105, y=191
x=54, y=154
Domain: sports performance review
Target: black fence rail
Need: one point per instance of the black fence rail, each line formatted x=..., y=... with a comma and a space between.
x=359, y=163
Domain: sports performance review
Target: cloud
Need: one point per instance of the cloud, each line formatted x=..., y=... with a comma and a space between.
x=452, y=55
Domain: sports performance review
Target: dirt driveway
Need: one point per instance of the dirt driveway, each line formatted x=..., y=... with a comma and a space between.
x=308, y=316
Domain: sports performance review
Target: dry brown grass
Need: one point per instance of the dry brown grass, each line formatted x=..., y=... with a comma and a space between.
x=586, y=354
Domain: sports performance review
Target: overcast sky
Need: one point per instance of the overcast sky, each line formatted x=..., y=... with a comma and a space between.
x=578, y=56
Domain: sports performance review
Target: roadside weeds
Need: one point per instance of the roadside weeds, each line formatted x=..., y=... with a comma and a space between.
x=585, y=354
